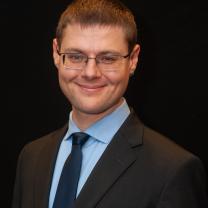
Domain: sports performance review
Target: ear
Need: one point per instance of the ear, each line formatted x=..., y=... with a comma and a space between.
x=56, y=56
x=134, y=58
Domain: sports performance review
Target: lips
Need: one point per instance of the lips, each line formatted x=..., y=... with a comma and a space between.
x=90, y=88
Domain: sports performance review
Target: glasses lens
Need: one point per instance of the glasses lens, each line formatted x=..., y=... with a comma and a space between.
x=75, y=60
x=107, y=59
x=109, y=62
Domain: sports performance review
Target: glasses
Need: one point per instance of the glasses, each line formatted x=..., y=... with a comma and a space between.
x=105, y=62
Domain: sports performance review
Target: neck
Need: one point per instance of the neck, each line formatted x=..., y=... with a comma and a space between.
x=85, y=120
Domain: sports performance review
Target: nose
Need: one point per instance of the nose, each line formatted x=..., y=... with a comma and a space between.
x=91, y=70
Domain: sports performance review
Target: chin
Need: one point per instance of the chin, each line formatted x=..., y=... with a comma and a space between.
x=92, y=110
x=97, y=109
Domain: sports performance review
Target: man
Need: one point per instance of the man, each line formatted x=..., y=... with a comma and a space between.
x=123, y=162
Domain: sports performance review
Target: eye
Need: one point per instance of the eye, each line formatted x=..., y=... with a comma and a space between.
x=107, y=59
x=75, y=57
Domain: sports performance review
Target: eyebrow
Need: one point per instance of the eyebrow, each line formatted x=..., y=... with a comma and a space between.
x=109, y=52
x=70, y=50
x=77, y=50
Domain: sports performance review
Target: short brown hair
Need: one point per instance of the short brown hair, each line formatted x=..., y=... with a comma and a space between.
x=99, y=12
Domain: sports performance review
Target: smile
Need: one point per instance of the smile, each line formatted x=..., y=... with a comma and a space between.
x=91, y=88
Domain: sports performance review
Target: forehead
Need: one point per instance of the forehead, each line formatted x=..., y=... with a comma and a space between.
x=94, y=38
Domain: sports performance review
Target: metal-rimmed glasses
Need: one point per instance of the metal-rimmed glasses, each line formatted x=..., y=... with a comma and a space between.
x=105, y=61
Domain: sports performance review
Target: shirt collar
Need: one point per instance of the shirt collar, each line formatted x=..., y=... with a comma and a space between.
x=104, y=129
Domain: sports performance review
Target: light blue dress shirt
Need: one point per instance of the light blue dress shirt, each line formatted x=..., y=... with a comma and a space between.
x=101, y=133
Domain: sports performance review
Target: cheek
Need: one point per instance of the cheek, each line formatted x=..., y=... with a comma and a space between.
x=119, y=82
x=65, y=81
x=124, y=80
x=120, y=77
x=66, y=76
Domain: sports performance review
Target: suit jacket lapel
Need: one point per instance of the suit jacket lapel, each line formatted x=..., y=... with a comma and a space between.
x=45, y=166
x=118, y=156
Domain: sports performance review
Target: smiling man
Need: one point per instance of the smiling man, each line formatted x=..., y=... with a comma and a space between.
x=105, y=156
x=96, y=68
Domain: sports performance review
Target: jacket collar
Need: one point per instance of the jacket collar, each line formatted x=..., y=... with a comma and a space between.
x=118, y=156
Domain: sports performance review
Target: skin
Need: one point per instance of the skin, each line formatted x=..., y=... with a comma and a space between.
x=94, y=94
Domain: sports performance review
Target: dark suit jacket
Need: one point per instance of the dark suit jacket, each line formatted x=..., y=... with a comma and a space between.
x=139, y=169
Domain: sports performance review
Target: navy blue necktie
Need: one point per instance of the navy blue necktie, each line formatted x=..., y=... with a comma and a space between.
x=67, y=187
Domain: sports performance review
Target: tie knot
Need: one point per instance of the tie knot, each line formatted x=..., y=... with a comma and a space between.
x=79, y=138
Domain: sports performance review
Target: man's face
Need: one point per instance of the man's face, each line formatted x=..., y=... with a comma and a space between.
x=90, y=90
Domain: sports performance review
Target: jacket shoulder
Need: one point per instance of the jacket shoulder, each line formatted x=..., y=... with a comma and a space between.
x=49, y=139
x=164, y=146
x=165, y=155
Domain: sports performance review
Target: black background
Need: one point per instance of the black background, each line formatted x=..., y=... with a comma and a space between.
x=168, y=91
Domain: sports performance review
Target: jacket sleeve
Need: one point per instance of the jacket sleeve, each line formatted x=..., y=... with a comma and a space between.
x=185, y=187
x=16, y=201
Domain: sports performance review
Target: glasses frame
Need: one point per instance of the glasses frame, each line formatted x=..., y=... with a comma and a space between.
x=63, y=54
